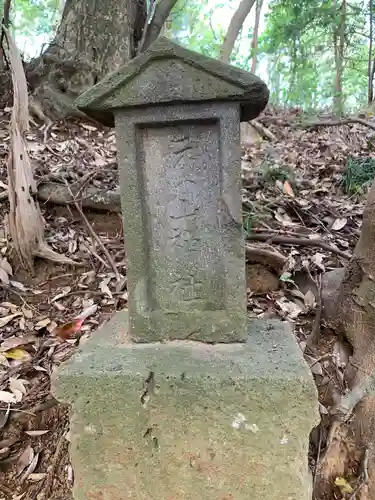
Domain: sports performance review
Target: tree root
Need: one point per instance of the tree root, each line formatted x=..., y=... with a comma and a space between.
x=284, y=240
x=334, y=123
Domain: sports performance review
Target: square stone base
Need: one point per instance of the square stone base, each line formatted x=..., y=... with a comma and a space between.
x=189, y=421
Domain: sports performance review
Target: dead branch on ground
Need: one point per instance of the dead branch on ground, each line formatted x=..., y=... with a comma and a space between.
x=262, y=130
x=26, y=224
x=265, y=254
x=94, y=235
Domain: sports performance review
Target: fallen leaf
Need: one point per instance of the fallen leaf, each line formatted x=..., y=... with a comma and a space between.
x=340, y=354
x=27, y=312
x=18, y=354
x=4, y=264
x=318, y=260
x=59, y=306
x=37, y=476
x=30, y=468
x=344, y=486
x=339, y=223
x=89, y=311
x=68, y=329
x=62, y=294
x=9, y=305
x=13, y=342
x=322, y=409
x=292, y=309
x=309, y=299
x=287, y=189
x=36, y=433
x=17, y=386
x=4, y=277
x=42, y=323
x=3, y=360
x=25, y=459
x=19, y=286
x=4, y=415
x=104, y=287
x=7, y=397
x=7, y=319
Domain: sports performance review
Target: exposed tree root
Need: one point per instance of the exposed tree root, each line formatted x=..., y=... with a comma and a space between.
x=355, y=317
x=285, y=240
x=334, y=123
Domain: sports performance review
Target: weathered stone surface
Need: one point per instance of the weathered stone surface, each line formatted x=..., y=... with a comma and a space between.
x=168, y=73
x=211, y=422
x=181, y=205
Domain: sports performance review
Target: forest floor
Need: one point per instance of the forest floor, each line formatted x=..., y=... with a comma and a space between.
x=295, y=186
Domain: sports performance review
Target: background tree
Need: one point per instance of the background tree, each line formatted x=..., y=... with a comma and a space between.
x=92, y=39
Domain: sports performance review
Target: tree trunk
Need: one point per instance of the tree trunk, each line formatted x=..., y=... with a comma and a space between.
x=371, y=63
x=234, y=28
x=355, y=317
x=254, y=42
x=93, y=39
x=338, y=47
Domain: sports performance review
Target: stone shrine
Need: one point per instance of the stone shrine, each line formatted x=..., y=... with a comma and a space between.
x=179, y=397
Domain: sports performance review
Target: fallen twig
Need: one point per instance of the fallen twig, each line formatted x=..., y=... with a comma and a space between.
x=262, y=130
x=284, y=240
x=334, y=123
x=268, y=256
x=52, y=468
x=94, y=235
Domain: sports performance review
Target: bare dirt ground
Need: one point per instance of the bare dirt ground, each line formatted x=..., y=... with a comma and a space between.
x=293, y=192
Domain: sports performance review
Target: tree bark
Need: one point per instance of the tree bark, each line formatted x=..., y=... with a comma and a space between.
x=156, y=23
x=254, y=42
x=234, y=28
x=339, y=47
x=371, y=63
x=93, y=39
x=355, y=318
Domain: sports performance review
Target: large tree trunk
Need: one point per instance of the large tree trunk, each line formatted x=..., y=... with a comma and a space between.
x=355, y=317
x=234, y=28
x=93, y=39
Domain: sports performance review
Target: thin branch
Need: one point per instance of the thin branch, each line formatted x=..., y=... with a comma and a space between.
x=234, y=28
x=153, y=28
x=94, y=235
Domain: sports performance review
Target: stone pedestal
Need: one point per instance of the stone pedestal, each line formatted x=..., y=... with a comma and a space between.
x=184, y=420
x=187, y=420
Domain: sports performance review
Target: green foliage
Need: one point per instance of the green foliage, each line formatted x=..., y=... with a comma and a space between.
x=250, y=219
x=190, y=24
x=295, y=52
x=298, y=42
x=359, y=174
x=34, y=17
